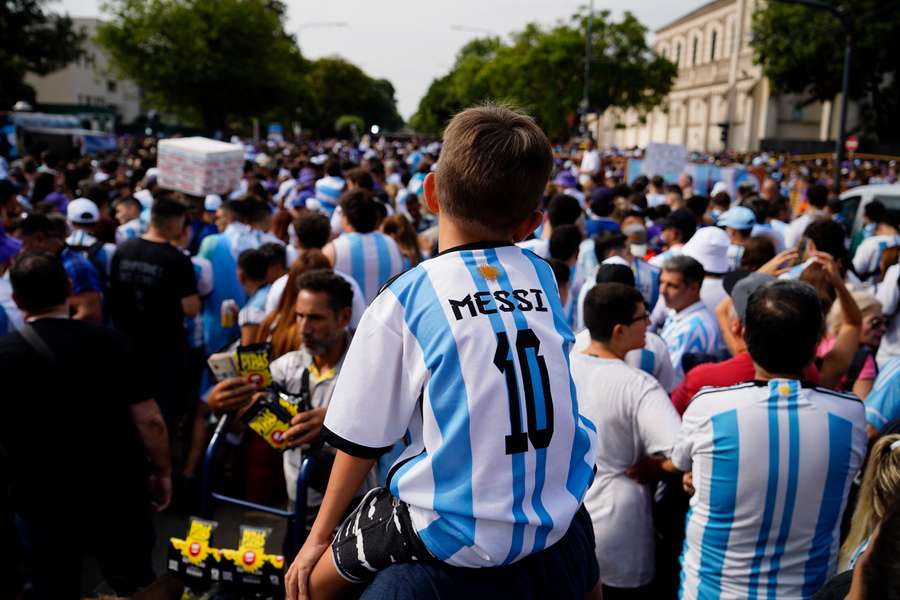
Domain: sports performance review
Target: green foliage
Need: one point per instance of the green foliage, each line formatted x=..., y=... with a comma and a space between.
x=220, y=61
x=541, y=70
x=802, y=52
x=32, y=41
x=207, y=59
x=345, y=124
x=341, y=88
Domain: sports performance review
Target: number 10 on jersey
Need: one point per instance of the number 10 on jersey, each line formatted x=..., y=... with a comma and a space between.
x=536, y=385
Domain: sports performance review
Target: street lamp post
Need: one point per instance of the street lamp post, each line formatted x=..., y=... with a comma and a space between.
x=588, y=47
x=842, y=15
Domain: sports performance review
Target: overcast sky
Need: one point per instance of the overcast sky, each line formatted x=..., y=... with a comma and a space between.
x=410, y=42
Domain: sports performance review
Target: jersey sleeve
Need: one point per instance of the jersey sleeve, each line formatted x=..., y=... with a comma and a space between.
x=657, y=422
x=373, y=400
x=691, y=424
x=663, y=371
x=882, y=405
x=862, y=260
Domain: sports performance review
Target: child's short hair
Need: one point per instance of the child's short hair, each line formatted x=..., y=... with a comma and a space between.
x=493, y=168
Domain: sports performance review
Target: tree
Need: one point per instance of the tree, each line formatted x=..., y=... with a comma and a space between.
x=802, y=52
x=542, y=70
x=35, y=42
x=207, y=60
x=341, y=88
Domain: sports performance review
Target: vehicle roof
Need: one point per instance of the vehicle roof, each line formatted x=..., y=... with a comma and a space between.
x=892, y=188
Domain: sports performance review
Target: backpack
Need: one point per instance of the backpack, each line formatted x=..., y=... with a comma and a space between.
x=92, y=254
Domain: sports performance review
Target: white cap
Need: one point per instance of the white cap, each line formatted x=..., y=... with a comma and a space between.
x=718, y=188
x=151, y=172
x=212, y=202
x=709, y=247
x=82, y=211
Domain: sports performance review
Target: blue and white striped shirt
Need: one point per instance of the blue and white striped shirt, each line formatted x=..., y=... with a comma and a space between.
x=328, y=193
x=883, y=402
x=692, y=330
x=772, y=463
x=468, y=355
x=370, y=258
x=128, y=231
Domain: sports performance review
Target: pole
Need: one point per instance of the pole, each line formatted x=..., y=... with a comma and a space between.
x=842, y=132
x=585, y=97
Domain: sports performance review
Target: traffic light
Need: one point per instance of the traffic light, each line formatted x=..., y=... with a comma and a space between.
x=724, y=126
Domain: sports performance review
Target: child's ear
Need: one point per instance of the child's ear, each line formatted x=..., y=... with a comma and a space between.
x=522, y=231
x=431, y=199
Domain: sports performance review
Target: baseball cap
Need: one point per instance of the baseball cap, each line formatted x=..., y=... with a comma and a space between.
x=718, y=188
x=212, y=202
x=738, y=217
x=566, y=179
x=709, y=247
x=740, y=285
x=82, y=212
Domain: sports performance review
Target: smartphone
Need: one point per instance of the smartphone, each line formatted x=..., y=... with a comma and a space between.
x=802, y=251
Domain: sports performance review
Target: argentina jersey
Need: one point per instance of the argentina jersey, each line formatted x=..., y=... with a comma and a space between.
x=466, y=356
x=772, y=463
x=328, y=193
x=370, y=258
x=693, y=330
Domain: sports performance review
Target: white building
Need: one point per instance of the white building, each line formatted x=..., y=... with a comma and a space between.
x=88, y=82
x=717, y=82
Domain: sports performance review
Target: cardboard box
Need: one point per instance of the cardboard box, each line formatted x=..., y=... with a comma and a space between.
x=199, y=166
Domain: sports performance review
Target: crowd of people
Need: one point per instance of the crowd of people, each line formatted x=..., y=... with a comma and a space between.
x=517, y=370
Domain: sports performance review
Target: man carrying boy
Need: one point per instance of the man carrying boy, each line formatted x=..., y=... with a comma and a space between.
x=472, y=369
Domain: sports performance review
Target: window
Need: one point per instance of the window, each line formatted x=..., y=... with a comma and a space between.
x=678, y=54
x=712, y=44
x=694, y=51
x=110, y=86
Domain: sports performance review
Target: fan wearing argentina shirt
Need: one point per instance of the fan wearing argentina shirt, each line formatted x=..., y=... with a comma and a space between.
x=367, y=255
x=466, y=356
x=770, y=462
x=690, y=327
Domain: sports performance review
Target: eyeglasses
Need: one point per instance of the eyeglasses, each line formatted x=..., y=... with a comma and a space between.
x=643, y=317
x=878, y=322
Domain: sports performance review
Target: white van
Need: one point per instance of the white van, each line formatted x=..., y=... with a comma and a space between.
x=854, y=202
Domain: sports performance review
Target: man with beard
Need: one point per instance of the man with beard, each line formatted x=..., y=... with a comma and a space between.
x=323, y=312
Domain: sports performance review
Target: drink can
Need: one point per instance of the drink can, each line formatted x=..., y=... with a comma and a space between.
x=229, y=313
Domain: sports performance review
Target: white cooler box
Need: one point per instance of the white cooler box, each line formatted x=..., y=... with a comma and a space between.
x=199, y=166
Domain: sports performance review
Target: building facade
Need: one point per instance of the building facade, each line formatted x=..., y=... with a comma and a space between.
x=717, y=83
x=88, y=84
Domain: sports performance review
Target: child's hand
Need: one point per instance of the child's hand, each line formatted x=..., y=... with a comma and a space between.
x=305, y=427
x=297, y=579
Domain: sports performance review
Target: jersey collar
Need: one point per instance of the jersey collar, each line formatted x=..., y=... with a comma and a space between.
x=483, y=245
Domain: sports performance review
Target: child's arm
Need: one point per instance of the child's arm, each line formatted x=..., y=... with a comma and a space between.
x=347, y=476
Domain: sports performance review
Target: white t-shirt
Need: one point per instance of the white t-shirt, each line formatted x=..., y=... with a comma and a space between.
x=712, y=292
x=652, y=359
x=772, y=464
x=867, y=260
x=359, y=303
x=889, y=296
x=370, y=258
x=590, y=162
x=634, y=419
x=454, y=355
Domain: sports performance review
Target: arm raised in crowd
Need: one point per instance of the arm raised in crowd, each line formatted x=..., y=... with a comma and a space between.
x=155, y=437
x=839, y=358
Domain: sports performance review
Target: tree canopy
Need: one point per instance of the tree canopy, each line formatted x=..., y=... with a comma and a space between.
x=542, y=70
x=802, y=52
x=33, y=41
x=215, y=61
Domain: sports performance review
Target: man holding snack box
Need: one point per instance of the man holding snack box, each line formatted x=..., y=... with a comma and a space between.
x=305, y=376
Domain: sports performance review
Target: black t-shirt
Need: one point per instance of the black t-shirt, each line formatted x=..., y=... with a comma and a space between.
x=147, y=283
x=67, y=439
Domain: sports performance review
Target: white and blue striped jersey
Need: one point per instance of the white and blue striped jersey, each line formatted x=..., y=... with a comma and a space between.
x=692, y=330
x=467, y=355
x=369, y=258
x=82, y=240
x=867, y=260
x=883, y=402
x=128, y=231
x=328, y=193
x=772, y=463
x=646, y=280
x=660, y=259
